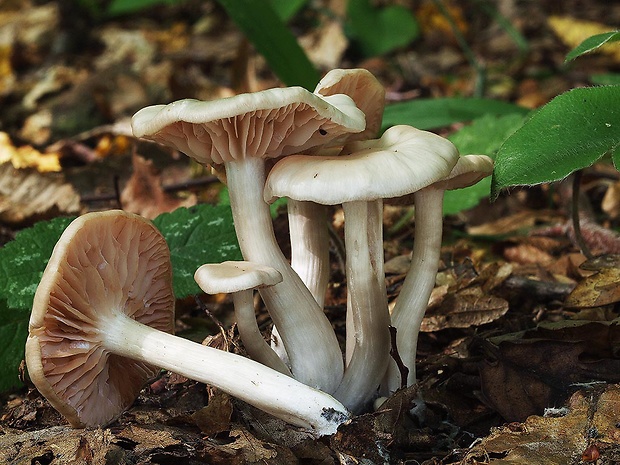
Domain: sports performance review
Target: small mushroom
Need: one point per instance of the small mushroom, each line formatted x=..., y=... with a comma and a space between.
x=239, y=278
x=240, y=132
x=415, y=292
x=404, y=159
x=101, y=322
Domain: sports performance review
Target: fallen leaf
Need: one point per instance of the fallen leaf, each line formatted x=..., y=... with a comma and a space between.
x=601, y=288
x=590, y=422
x=27, y=156
x=27, y=196
x=526, y=372
x=144, y=195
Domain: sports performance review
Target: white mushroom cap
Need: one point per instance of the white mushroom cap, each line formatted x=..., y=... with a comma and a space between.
x=103, y=262
x=234, y=276
x=365, y=90
x=403, y=160
x=264, y=124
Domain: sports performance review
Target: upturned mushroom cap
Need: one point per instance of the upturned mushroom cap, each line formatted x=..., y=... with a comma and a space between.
x=85, y=280
x=403, y=160
x=468, y=170
x=365, y=90
x=264, y=124
x=235, y=276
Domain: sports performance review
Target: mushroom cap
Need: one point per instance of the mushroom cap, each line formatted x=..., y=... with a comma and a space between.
x=264, y=124
x=365, y=90
x=402, y=161
x=469, y=169
x=103, y=263
x=235, y=276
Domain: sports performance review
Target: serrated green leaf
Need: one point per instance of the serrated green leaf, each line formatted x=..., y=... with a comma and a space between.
x=197, y=235
x=571, y=132
x=13, y=334
x=441, y=112
x=380, y=30
x=592, y=43
x=23, y=260
x=262, y=26
x=483, y=137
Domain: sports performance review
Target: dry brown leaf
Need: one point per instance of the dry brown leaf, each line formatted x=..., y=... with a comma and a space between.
x=601, y=288
x=144, y=194
x=611, y=200
x=526, y=372
x=512, y=223
x=590, y=424
x=26, y=195
x=326, y=45
x=466, y=308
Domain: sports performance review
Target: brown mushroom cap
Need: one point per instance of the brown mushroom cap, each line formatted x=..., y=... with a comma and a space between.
x=103, y=262
x=264, y=124
x=365, y=90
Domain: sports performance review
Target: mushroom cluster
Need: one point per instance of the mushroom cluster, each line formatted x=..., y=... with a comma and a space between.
x=100, y=299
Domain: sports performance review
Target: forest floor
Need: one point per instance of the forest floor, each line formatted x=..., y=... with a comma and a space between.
x=515, y=365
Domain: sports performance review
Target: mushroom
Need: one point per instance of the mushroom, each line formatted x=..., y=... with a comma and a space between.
x=404, y=159
x=101, y=322
x=239, y=278
x=240, y=132
x=415, y=292
x=308, y=220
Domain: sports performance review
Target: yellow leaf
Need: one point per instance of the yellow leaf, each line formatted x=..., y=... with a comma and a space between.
x=27, y=156
x=574, y=31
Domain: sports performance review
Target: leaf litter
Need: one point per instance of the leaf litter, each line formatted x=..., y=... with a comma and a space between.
x=483, y=361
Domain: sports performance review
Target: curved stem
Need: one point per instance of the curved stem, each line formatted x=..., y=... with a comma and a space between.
x=413, y=299
x=256, y=384
x=368, y=319
x=310, y=245
x=307, y=334
x=250, y=334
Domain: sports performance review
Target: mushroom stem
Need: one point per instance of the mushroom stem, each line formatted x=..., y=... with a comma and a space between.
x=368, y=319
x=310, y=245
x=307, y=334
x=415, y=292
x=256, y=384
x=252, y=339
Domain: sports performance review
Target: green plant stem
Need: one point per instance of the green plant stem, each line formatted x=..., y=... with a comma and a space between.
x=575, y=216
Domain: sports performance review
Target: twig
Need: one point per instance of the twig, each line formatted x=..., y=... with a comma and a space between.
x=404, y=371
x=575, y=216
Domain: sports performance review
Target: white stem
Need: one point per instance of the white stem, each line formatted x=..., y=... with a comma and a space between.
x=412, y=301
x=253, y=341
x=368, y=337
x=307, y=334
x=310, y=245
x=256, y=384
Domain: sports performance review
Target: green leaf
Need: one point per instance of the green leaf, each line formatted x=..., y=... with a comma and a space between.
x=591, y=44
x=380, y=30
x=262, y=26
x=605, y=79
x=483, y=137
x=123, y=7
x=571, y=132
x=441, y=112
x=197, y=235
x=13, y=334
x=286, y=9
x=23, y=260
